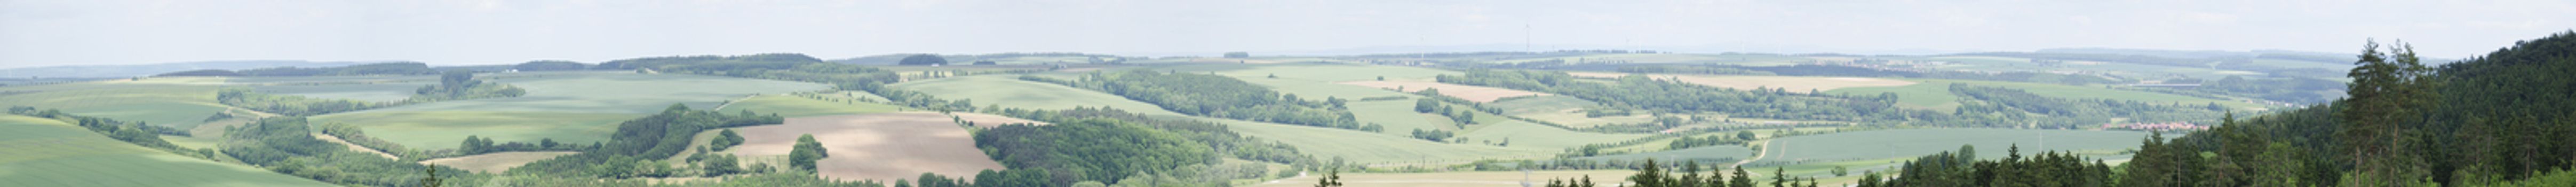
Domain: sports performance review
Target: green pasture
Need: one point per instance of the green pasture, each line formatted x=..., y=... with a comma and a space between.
x=1008, y=91
x=1318, y=72
x=1659, y=58
x=798, y=106
x=1727, y=152
x=1935, y=93
x=445, y=129
x=48, y=152
x=566, y=106
x=1906, y=143
x=165, y=104
x=378, y=92
x=615, y=92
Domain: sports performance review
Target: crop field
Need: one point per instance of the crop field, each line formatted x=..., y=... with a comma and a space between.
x=1992, y=63
x=47, y=152
x=377, y=92
x=1799, y=84
x=798, y=106
x=1459, y=179
x=1398, y=117
x=444, y=129
x=1726, y=59
x=1705, y=154
x=1990, y=143
x=155, y=101
x=880, y=147
x=1471, y=93
x=1008, y=91
x=496, y=162
x=574, y=107
x=614, y=92
x=1319, y=72
x=1935, y=93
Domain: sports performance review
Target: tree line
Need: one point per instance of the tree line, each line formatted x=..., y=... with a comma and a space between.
x=1215, y=96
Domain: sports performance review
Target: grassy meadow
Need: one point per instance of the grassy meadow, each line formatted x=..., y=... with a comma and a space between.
x=48, y=152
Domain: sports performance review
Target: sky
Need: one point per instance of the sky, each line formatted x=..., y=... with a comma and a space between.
x=465, y=32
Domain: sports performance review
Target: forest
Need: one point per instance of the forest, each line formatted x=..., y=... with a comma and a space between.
x=2486, y=121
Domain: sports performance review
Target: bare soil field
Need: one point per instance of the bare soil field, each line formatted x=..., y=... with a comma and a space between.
x=496, y=162
x=1471, y=93
x=881, y=147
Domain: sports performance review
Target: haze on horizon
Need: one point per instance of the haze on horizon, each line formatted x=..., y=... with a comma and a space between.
x=459, y=32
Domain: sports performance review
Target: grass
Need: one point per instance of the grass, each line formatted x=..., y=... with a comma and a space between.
x=1458, y=179
x=47, y=152
x=444, y=129
x=180, y=103
x=615, y=92
x=1906, y=143
x=1935, y=93
x=496, y=162
x=1729, y=152
x=1320, y=72
x=379, y=92
x=572, y=107
x=1010, y=92
x=797, y=106
x=1726, y=59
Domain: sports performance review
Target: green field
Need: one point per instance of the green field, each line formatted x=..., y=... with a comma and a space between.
x=378, y=92
x=2132, y=70
x=1728, y=152
x=1320, y=72
x=571, y=107
x=615, y=92
x=445, y=129
x=1901, y=143
x=1008, y=91
x=796, y=106
x=1935, y=93
x=47, y=152
x=1733, y=59
x=163, y=103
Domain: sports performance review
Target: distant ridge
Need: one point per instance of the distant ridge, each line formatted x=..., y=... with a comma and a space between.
x=139, y=70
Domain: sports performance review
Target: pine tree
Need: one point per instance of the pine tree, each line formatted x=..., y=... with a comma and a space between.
x=1739, y=178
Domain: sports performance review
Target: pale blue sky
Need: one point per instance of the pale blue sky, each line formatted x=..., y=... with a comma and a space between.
x=85, y=32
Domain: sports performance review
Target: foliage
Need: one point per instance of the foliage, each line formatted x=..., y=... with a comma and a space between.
x=285, y=145
x=725, y=140
x=1215, y=136
x=1963, y=169
x=1641, y=91
x=1213, y=95
x=137, y=133
x=462, y=85
x=804, y=154
x=550, y=65
x=1090, y=150
x=638, y=145
x=922, y=60
x=1433, y=135
x=293, y=105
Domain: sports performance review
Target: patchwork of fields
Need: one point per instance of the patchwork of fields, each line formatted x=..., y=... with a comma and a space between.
x=1935, y=93
x=48, y=152
x=571, y=107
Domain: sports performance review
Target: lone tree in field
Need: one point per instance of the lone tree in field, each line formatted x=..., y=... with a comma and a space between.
x=805, y=153
x=922, y=60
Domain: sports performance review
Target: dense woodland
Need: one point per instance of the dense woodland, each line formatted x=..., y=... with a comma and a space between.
x=1216, y=96
x=2496, y=120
